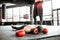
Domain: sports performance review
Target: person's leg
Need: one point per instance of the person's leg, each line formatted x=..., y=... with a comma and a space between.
x=40, y=13
x=41, y=16
x=18, y=28
x=35, y=22
x=41, y=21
x=35, y=14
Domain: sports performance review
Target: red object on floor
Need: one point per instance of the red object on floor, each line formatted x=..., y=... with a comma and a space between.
x=20, y=33
x=45, y=31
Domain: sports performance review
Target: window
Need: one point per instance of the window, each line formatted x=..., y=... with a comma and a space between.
x=16, y=14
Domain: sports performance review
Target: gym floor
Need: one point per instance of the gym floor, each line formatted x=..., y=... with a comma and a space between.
x=7, y=33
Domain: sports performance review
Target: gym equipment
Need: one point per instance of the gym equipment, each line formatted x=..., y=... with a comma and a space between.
x=45, y=31
x=20, y=33
x=26, y=16
x=10, y=36
x=3, y=10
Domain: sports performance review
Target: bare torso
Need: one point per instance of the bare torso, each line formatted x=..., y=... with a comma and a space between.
x=29, y=27
x=38, y=0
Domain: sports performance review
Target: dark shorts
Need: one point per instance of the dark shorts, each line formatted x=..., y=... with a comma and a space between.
x=37, y=11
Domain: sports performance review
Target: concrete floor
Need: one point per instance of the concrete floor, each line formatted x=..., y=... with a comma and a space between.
x=7, y=33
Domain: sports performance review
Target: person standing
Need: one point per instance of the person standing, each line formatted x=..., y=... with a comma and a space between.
x=38, y=10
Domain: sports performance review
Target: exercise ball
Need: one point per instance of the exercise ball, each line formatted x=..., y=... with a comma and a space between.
x=45, y=31
x=20, y=33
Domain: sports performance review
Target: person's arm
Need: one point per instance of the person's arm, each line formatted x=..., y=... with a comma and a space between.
x=18, y=28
